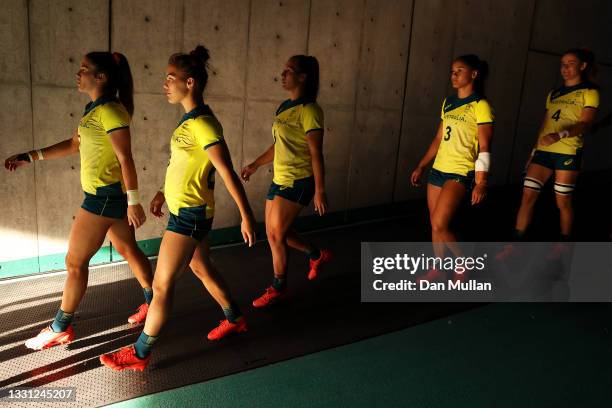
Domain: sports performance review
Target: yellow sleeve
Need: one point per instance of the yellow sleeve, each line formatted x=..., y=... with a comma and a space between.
x=312, y=117
x=114, y=116
x=484, y=112
x=207, y=133
x=591, y=98
x=442, y=109
x=548, y=100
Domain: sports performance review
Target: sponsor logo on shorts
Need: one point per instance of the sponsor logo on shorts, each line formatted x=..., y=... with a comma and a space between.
x=568, y=162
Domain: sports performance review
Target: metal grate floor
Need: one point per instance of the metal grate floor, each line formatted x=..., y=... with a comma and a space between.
x=322, y=314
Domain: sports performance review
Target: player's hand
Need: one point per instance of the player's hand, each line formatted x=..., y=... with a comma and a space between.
x=15, y=161
x=415, y=177
x=479, y=193
x=136, y=215
x=247, y=227
x=320, y=202
x=156, y=204
x=248, y=171
x=549, y=139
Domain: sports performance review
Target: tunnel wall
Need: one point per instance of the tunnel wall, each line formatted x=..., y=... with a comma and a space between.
x=384, y=74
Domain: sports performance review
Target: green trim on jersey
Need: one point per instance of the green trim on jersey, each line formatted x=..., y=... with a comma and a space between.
x=288, y=104
x=100, y=101
x=453, y=102
x=564, y=90
x=202, y=110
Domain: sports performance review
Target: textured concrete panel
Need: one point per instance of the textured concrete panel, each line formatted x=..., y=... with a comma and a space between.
x=272, y=43
x=336, y=155
x=569, y=24
x=222, y=26
x=58, y=184
x=501, y=38
x=501, y=152
x=373, y=157
x=147, y=32
x=598, y=145
x=18, y=233
x=230, y=114
x=426, y=87
x=417, y=134
x=541, y=77
x=14, y=42
x=258, y=138
x=336, y=140
x=382, y=68
x=61, y=33
x=429, y=61
x=152, y=125
x=335, y=36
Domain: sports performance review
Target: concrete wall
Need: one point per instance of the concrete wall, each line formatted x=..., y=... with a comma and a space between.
x=384, y=73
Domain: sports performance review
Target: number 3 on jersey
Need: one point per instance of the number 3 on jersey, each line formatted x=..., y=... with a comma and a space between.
x=556, y=115
x=448, y=130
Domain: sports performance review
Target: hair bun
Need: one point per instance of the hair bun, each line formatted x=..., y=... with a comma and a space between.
x=202, y=53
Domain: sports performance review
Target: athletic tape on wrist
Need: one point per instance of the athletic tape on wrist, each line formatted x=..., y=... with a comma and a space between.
x=40, y=155
x=483, y=162
x=133, y=197
x=564, y=133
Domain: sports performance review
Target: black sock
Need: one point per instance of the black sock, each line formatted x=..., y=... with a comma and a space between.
x=518, y=235
x=314, y=253
x=62, y=321
x=232, y=312
x=279, y=283
x=144, y=344
x=148, y=294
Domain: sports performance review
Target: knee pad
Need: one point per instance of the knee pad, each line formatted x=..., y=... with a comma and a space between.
x=564, y=189
x=533, y=184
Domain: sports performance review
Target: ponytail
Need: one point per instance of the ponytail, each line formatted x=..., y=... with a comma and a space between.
x=308, y=65
x=193, y=65
x=119, y=76
x=475, y=63
x=589, y=73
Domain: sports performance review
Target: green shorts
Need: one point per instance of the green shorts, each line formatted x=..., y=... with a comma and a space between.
x=438, y=178
x=558, y=161
x=302, y=191
x=109, y=201
x=190, y=221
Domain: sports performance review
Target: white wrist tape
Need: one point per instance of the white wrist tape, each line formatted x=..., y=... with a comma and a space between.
x=533, y=152
x=30, y=156
x=40, y=155
x=133, y=197
x=563, y=134
x=483, y=162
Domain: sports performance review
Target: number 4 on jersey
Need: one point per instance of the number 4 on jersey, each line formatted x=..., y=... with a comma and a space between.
x=556, y=115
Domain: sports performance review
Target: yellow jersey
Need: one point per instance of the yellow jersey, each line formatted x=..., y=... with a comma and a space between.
x=563, y=109
x=99, y=164
x=459, y=145
x=293, y=121
x=190, y=177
